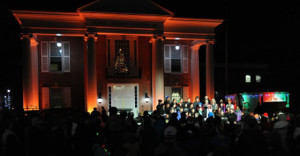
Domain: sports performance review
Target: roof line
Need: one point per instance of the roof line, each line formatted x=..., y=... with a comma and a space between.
x=197, y=19
x=168, y=11
x=122, y=13
x=80, y=8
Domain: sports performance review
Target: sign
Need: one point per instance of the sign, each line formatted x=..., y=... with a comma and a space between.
x=275, y=97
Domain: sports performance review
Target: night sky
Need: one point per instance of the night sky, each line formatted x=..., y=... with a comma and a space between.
x=266, y=33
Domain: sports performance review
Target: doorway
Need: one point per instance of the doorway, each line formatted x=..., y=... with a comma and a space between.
x=124, y=97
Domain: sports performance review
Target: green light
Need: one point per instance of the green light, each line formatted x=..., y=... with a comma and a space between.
x=97, y=133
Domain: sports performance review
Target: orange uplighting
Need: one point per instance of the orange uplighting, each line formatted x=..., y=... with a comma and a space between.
x=30, y=77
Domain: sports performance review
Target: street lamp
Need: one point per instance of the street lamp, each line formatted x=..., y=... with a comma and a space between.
x=8, y=98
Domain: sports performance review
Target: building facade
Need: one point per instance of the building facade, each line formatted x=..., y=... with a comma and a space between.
x=121, y=55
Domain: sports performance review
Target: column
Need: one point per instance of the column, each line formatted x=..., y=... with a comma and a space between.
x=195, y=71
x=90, y=73
x=30, y=72
x=210, y=85
x=157, y=71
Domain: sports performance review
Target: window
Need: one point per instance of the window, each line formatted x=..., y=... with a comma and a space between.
x=122, y=59
x=55, y=56
x=56, y=97
x=248, y=79
x=122, y=56
x=258, y=78
x=176, y=59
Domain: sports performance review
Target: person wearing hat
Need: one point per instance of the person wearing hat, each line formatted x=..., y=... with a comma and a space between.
x=169, y=146
x=167, y=100
x=160, y=107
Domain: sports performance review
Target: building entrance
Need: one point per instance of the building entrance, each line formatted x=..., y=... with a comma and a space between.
x=124, y=97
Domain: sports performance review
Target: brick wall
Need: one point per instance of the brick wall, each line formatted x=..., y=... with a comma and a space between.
x=73, y=79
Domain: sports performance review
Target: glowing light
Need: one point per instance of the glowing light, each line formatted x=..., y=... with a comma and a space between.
x=177, y=47
x=8, y=90
x=58, y=34
x=147, y=98
x=58, y=44
x=99, y=100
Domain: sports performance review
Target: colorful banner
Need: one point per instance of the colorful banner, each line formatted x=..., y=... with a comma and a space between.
x=275, y=97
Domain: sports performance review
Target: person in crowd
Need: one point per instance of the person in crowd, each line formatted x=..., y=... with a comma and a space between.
x=181, y=102
x=103, y=111
x=197, y=103
x=218, y=112
x=10, y=142
x=186, y=107
x=214, y=105
x=222, y=105
x=189, y=101
x=167, y=100
x=167, y=108
x=95, y=113
x=160, y=107
x=169, y=146
x=229, y=104
x=238, y=113
x=206, y=98
x=191, y=107
x=281, y=127
x=205, y=111
x=174, y=104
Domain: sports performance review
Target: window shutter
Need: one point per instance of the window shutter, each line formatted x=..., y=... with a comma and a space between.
x=185, y=59
x=67, y=97
x=66, y=57
x=167, y=59
x=45, y=56
x=168, y=91
x=186, y=93
x=45, y=98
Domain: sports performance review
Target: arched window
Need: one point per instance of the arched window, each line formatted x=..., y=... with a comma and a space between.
x=258, y=78
x=248, y=79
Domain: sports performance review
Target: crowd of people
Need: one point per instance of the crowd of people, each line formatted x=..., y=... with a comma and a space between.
x=206, y=108
x=174, y=129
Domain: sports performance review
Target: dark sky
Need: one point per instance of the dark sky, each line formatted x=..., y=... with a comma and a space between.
x=258, y=33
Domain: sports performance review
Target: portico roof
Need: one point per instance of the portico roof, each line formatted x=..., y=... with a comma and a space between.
x=126, y=6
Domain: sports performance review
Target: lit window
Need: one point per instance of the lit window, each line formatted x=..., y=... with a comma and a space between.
x=248, y=79
x=55, y=56
x=176, y=59
x=122, y=56
x=258, y=78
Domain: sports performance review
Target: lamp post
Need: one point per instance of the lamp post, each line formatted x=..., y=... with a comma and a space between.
x=99, y=100
x=8, y=98
x=146, y=98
